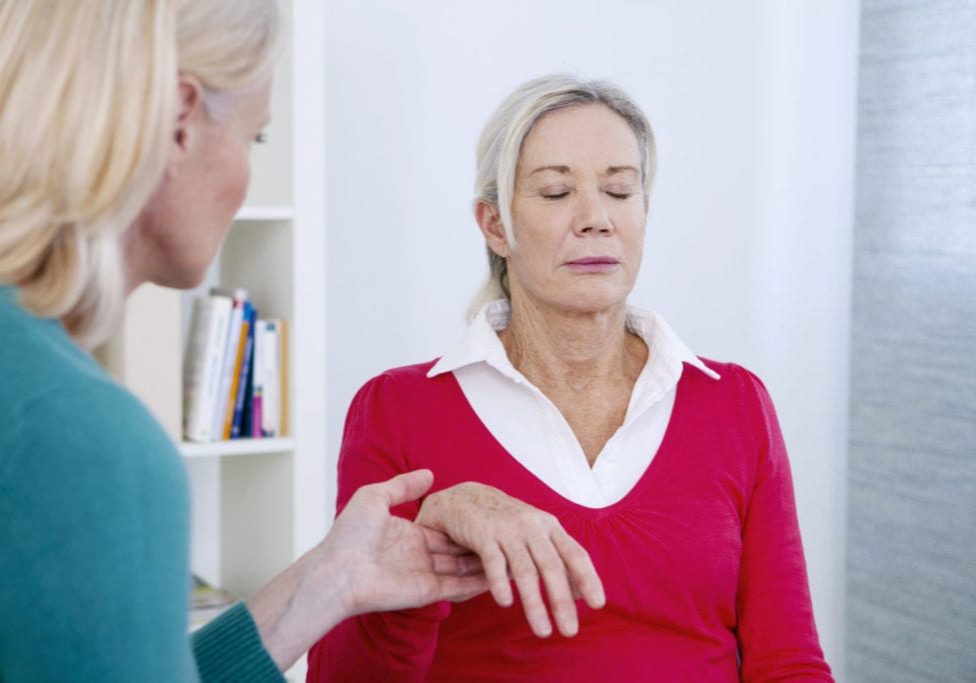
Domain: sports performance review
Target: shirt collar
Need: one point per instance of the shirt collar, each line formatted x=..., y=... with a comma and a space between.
x=480, y=342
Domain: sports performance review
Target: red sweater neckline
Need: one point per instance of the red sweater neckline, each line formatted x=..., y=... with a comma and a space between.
x=553, y=496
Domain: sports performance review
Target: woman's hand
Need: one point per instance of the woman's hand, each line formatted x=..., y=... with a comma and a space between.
x=391, y=563
x=513, y=538
x=370, y=561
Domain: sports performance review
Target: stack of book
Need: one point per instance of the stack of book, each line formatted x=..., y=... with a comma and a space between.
x=234, y=379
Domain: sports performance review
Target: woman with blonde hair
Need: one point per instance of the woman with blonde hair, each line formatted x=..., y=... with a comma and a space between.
x=124, y=135
x=565, y=411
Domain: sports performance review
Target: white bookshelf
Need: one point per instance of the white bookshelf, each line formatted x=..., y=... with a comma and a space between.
x=258, y=504
x=265, y=213
x=237, y=447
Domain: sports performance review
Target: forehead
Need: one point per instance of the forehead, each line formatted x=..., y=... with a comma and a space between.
x=580, y=136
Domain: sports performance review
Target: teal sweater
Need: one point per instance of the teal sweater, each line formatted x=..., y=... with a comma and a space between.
x=94, y=528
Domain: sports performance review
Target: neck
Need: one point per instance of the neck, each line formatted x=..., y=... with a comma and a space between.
x=569, y=349
x=132, y=258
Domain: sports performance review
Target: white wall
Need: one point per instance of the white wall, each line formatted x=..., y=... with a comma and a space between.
x=748, y=253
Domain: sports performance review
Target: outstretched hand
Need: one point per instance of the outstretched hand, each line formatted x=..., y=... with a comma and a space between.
x=390, y=563
x=370, y=561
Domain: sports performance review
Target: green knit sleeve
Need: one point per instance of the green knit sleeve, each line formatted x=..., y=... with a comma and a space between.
x=229, y=648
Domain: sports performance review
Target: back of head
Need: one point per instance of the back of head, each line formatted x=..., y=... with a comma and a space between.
x=501, y=143
x=89, y=92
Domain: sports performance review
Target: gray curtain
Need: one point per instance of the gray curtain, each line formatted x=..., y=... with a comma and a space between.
x=911, y=574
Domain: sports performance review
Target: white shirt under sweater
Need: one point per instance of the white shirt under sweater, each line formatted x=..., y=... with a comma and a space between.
x=530, y=427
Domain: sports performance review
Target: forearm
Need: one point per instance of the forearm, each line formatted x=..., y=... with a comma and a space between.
x=298, y=606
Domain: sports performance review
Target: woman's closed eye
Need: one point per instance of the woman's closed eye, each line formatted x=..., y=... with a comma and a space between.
x=555, y=193
x=620, y=192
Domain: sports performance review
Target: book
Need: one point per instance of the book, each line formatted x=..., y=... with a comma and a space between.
x=283, y=427
x=229, y=358
x=236, y=371
x=270, y=381
x=238, y=428
x=203, y=358
x=256, y=421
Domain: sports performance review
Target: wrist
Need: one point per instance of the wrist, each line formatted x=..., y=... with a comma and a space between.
x=300, y=605
x=327, y=587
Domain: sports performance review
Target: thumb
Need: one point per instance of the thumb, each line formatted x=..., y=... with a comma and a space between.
x=406, y=487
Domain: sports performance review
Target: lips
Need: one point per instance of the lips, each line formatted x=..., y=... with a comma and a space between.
x=595, y=261
x=593, y=265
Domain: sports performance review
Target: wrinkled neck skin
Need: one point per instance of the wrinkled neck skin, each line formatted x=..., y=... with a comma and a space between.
x=571, y=350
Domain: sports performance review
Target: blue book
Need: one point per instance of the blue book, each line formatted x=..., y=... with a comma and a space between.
x=237, y=428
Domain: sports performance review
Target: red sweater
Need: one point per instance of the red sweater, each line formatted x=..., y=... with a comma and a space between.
x=701, y=561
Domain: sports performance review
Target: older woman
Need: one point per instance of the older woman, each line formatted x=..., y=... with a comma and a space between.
x=124, y=135
x=564, y=410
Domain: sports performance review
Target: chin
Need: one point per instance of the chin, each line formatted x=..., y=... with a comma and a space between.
x=185, y=278
x=591, y=302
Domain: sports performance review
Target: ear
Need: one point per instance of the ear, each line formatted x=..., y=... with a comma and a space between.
x=490, y=221
x=190, y=116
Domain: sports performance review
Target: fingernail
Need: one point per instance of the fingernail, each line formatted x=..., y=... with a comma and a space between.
x=542, y=628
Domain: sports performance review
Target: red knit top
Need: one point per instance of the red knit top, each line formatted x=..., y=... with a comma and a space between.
x=701, y=561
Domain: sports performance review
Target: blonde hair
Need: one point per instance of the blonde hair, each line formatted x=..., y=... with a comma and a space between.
x=89, y=93
x=501, y=143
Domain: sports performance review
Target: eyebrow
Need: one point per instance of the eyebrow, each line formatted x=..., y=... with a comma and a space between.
x=611, y=170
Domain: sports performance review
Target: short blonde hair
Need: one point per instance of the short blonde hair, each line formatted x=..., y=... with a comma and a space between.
x=501, y=143
x=89, y=92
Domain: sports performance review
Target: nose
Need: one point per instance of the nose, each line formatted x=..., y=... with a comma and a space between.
x=592, y=215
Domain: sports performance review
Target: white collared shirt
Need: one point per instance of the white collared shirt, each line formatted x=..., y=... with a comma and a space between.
x=530, y=427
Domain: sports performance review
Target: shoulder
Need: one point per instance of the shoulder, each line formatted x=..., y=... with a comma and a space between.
x=739, y=394
x=735, y=377
x=87, y=437
x=406, y=380
x=408, y=375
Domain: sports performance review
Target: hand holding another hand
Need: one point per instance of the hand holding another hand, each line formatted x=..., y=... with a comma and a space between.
x=514, y=538
x=370, y=561
x=391, y=563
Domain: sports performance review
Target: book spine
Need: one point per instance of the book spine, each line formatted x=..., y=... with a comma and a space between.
x=235, y=377
x=257, y=381
x=283, y=388
x=231, y=342
x=243, y=380
x=195, y=366
x=200, y=428
x=270, y=398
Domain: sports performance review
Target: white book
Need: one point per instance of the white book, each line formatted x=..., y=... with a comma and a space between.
x=201, y=367
x=231, y=342
x=271, y=366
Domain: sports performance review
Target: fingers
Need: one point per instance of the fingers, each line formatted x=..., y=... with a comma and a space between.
x=582, y=573
x=527, y=580
x=438, y=542
x=556, y=581
x=456, y=565
x=460, y=588
x=496, y=571
x=405, y=487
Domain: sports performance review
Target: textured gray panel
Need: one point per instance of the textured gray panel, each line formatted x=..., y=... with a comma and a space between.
x=917, y=127
x=911, y=583
x=912, y=477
